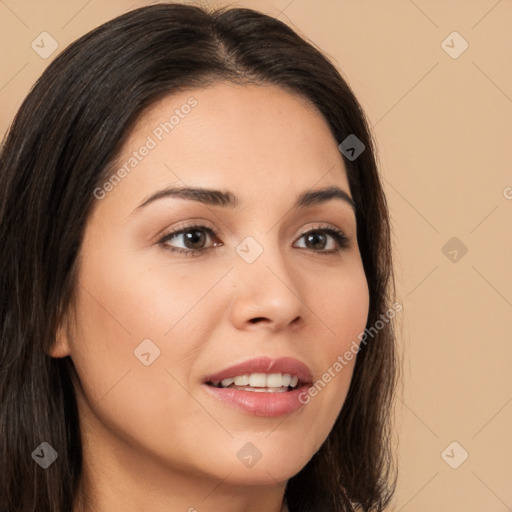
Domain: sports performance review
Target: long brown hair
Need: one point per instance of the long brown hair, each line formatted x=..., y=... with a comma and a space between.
x=59, y=149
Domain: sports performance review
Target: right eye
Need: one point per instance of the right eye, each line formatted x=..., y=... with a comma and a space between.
x=194, y=238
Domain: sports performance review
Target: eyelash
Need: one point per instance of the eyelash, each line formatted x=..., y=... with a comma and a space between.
x=340, y=238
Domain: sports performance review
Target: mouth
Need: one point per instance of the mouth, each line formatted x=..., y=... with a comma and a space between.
x=261, y=386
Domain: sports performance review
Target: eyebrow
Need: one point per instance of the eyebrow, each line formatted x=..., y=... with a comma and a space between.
x=227, y=199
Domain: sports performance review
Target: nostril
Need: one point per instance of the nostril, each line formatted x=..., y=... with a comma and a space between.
x=254, y=320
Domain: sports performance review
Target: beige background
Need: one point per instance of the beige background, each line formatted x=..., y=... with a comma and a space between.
x=443, y=127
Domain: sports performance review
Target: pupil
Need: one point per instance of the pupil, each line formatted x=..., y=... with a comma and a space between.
x=192, y=236
x=315, y=236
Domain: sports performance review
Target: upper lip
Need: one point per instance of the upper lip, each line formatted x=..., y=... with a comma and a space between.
x=265, y=365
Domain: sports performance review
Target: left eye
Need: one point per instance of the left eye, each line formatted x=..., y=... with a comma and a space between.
x=321, y=236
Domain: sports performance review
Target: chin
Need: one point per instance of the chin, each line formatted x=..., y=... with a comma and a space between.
x=279, y=465
x=263, y=474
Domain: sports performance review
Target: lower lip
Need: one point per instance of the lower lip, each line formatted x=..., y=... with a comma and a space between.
x=260, y=403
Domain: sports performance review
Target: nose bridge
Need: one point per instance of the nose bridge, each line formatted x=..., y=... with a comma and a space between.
x=262, y=254
x=266, y=288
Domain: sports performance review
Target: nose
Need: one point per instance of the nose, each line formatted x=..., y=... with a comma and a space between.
x=266, y=292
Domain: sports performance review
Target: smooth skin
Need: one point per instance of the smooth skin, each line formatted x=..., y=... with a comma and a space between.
x=153, y=438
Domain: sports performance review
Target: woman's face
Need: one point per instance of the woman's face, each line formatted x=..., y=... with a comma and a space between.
x=159, y=316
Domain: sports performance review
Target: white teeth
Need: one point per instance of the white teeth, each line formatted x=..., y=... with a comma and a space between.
x=286, y=379
x=257, y=380
x=242, y=380
x=275, y=380
x=260, y=381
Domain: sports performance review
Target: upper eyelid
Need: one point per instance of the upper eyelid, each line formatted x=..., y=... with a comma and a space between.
x=183, y=229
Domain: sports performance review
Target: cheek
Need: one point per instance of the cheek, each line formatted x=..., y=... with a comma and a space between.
x=142, y=297
x=353, y=312
x=129, y=314
x=343, y=312
x=117, y=328
x=342, y=308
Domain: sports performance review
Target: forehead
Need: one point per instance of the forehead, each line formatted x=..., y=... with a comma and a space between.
x=251, y=138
